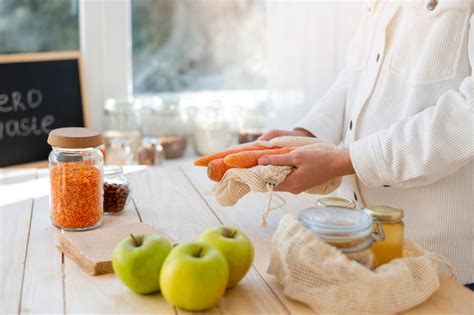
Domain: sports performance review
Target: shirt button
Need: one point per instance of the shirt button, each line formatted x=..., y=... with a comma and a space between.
x=385, y=186
x=355, y=196
x=350, y=125
x=378, y=57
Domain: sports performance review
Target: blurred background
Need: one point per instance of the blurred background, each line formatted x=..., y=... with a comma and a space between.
x=209, y=73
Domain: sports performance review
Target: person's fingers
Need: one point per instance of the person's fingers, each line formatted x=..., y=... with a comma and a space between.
x=290, y=184
x=271, y=134
x=277, y=160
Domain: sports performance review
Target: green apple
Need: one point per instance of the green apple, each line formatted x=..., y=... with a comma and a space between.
x=137, y=261
x=194, y=276
x=236, y=248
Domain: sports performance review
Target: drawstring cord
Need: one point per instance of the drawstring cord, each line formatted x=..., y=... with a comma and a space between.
x=440, y=259
x=271, y=193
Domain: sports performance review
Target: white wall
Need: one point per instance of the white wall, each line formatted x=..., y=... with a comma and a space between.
x=307, y=44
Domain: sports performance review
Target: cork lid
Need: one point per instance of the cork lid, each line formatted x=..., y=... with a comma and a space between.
x=75, y=138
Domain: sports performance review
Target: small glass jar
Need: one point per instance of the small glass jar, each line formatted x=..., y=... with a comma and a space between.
x=151, y=152
x=119, y=152
x=392, y=247
x=212, y=131
x=335, y=202
x=164, y=118
x=347, y=230
x=116, y=190
x=122, y=120
x=75, y=169
x=252, y=119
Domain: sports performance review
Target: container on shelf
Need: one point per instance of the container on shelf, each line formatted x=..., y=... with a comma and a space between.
x=119, y=152
x=75, y=167
x=335, y=202
x=212, y=130
x=116, y=189
x=348, y=230
x=151, y=152
x=391, y=219
x=164, y=118
x=122, y=120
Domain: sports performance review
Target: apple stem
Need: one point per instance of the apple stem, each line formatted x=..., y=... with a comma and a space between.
x=198, y=253
x=228, y=232
x=137, y=243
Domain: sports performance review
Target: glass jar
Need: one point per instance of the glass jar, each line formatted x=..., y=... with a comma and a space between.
x=122, y=120
x=392, y=247
x=252, y=119
x=347, y=230
x=151, y=152
x=116, y=189
x=212, y=131
x=165, y=119
x=75, y=169
x=335, y=202
x=119, y=152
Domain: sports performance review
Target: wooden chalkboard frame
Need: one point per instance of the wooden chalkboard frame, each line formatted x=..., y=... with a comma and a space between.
x=53, y=56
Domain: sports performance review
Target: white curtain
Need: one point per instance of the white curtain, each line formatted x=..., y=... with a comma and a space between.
x=307, y=44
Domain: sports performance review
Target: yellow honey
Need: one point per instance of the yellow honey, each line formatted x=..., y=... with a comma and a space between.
x=392, y=246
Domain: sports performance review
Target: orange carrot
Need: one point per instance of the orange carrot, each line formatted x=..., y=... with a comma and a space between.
x=216, y=169
x=204, y=161
x=250, y=158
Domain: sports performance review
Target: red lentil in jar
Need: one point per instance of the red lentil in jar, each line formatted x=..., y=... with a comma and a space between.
x=76, y=195
x=76, y=178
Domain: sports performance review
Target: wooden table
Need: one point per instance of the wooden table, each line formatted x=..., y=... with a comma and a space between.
x=177, y=198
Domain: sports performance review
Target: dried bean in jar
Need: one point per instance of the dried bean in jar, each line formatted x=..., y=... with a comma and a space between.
x=115, y=197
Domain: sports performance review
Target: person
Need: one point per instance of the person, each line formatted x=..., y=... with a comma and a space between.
x=402, y=111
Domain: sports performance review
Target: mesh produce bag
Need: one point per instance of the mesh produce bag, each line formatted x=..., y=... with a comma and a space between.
x=237, y=182
x=321, y=276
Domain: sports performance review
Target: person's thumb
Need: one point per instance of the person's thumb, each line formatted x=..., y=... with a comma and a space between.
x=276, y=160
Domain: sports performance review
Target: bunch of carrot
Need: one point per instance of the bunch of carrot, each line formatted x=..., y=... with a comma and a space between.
x=241, y=157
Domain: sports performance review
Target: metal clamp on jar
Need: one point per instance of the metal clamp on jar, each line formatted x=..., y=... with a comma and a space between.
x=348, y=230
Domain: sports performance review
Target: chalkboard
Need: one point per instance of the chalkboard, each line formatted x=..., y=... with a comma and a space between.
x=38, y=93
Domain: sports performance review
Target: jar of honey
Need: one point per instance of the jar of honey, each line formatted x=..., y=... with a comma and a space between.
x=347, y=230
x=335, y=202
x=391, y=219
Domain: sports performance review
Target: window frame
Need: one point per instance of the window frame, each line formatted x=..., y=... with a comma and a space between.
x=106, y=44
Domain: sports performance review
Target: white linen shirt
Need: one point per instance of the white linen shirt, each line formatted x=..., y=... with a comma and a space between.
x=404, y=106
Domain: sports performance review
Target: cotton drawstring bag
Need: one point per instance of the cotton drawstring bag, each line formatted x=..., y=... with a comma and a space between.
x=237, y=182
x=317, y=274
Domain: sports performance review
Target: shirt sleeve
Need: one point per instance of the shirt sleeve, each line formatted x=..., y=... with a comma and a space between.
x=423, y=148
x=326, y=118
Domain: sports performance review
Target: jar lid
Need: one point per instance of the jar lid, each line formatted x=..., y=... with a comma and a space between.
x=150, y=141
x=385, y=214
x=75, y=138
x=113, y=170
x=126, y=104
x=335, y=202
x=337, y=224
x=119, y=144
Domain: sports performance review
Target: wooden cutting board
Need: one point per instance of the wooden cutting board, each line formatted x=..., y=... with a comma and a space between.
x=92, y=250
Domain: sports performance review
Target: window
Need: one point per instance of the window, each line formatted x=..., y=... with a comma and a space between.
x=198, y=45
x=38, y=25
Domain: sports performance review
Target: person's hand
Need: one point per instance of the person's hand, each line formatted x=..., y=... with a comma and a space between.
x=280, y=133
x=312, y=167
